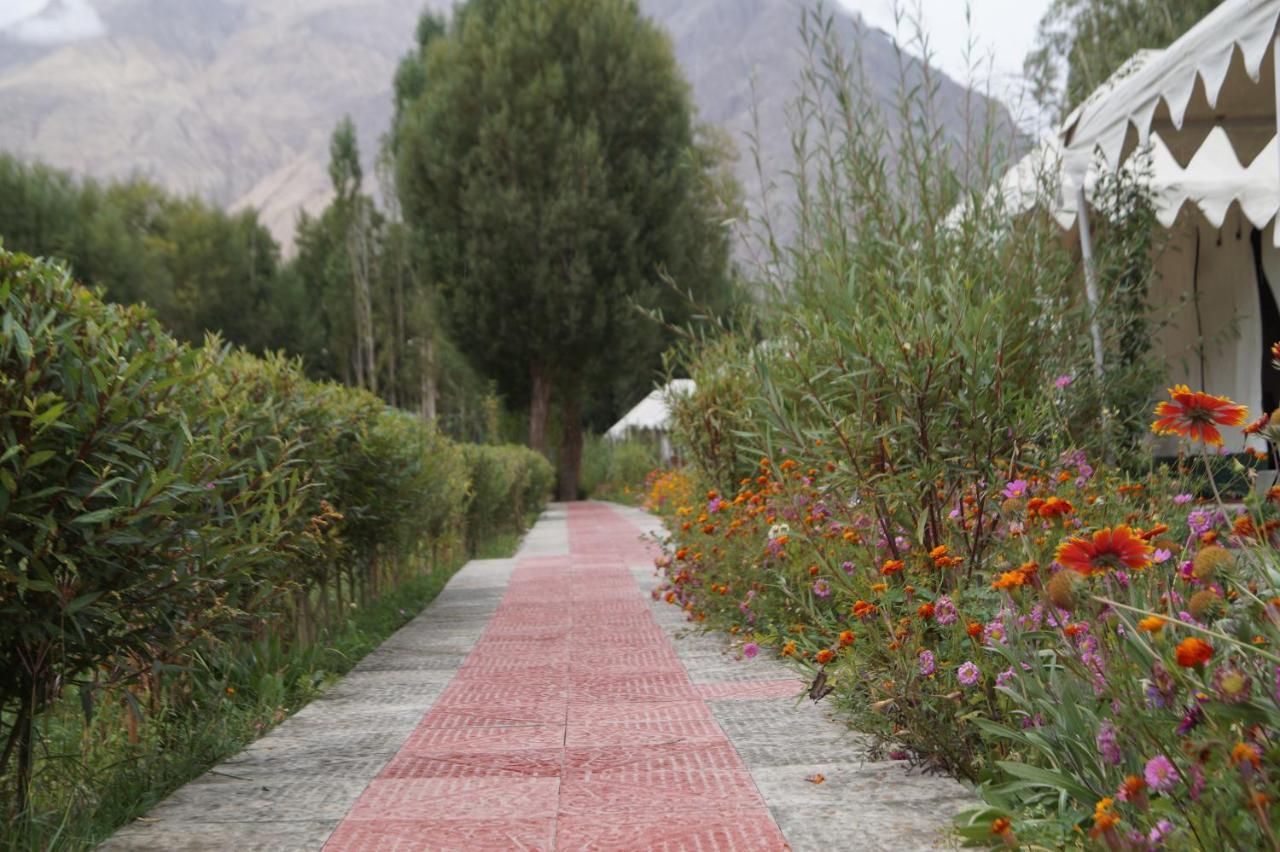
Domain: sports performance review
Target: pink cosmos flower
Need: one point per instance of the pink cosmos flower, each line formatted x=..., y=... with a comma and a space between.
x=1160, y=773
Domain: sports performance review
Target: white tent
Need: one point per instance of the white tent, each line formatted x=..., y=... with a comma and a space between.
x=1205, y=108
x=652, y=416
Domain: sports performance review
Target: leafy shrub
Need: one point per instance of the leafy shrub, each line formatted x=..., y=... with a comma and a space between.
x=164, y=508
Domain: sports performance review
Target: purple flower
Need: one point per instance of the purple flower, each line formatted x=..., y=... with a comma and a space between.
x=1161, y=555
x=1193, y=717
x=750, y=650
x=968, y=673
x=1015, y=489
x=1160, y=773
x=715, y=505
x=1062, y=381
x=1182, y=499
x=847, y=567
x=822, y=588
x=944, y=612
x=1161, y=832
x=926, y=663
x=1004, y=678
x=1109, y=744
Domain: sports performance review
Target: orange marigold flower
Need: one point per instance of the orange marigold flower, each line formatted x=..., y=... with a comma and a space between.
x=1151, y=624
x=862, y=609
x=1243, y=527
x=1055, y=507
x=1103, y=818
x=1193, y=651
x=1109, y=548
x=1245, y=752
x=1197, y=415
x=1010, y=580
x=879, y=587
x=925, y=611
x=891, y=567
x=974, y=628
x=1132, y=785
x=846, y=638
x=1000, y=825
x=789, y=649
x=938, y=552
x=824, y=656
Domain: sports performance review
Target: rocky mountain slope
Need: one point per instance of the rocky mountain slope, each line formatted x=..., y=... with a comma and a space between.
x=235, y=99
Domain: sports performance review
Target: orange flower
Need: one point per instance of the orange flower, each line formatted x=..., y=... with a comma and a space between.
x=1258, y=425
x=1193, y=651
x=891, y=567
x=846, y=638
x=1055, y=507
x=974, y=628
x=825, y=656
x=925, y=611
x=788, y=649
x=1197, y=415
x=1152, y=624
x=1104, y=819
x=1010, y=580
x=1109, y=548
x=862, y=609
x=1244, y=752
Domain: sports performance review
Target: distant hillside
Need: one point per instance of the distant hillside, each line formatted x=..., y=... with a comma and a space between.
x=235, y=99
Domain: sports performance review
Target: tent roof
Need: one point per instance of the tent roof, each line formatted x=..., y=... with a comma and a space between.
x=652, y=412
x=1220, y=73
x=1211, y=182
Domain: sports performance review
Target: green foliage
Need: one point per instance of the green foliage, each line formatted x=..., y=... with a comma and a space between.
x=550, y=168
x=1093, y=38
x=617, y=470
x=159, y=504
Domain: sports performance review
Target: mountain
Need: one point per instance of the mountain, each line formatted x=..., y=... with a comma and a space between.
x=235, y=99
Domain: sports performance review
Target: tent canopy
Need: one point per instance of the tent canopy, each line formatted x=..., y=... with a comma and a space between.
x=1212, y=182
x=651, y=413
x=1221, y=73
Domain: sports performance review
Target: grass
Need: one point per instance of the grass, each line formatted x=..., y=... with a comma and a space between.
x=91, y=780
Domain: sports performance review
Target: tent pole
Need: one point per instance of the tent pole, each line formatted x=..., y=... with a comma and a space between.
x=1090, y=279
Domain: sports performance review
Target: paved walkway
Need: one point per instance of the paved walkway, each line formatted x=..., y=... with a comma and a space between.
x=547, y=702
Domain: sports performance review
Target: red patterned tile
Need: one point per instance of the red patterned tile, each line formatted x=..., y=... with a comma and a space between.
x=484, y=739
x=489, y=692
x=464, y=798
x=642, y=733
x=540, y=762
x=507, y=835
x=638, y=793
x=638, y=711
x=741, y=832
x=628, y=760
x=457, y=715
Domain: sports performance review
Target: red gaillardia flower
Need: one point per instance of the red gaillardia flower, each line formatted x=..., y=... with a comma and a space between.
x=1118, y=547
x=1196, y=415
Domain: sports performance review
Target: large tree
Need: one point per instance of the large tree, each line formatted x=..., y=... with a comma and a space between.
x=1080, y=43
x=550, y=167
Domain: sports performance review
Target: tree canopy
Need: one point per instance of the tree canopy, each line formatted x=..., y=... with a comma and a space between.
x=551, y=169
x=1080, y=43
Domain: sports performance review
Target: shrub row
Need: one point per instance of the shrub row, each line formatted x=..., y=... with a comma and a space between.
x=157, y=500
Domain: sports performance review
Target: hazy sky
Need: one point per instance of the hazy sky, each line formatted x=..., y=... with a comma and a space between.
x=1002, y=32
x=49, y=21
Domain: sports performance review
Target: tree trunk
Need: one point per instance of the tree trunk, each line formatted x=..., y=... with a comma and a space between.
x=571, y=448
x=539, y=407
x=430, y=393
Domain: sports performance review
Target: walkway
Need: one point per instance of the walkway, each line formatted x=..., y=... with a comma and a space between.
x=547, y=702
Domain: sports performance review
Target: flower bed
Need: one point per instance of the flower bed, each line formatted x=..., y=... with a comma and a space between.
x=1096, y=650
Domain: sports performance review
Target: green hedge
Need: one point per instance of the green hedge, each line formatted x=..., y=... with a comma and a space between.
x=158, y=501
